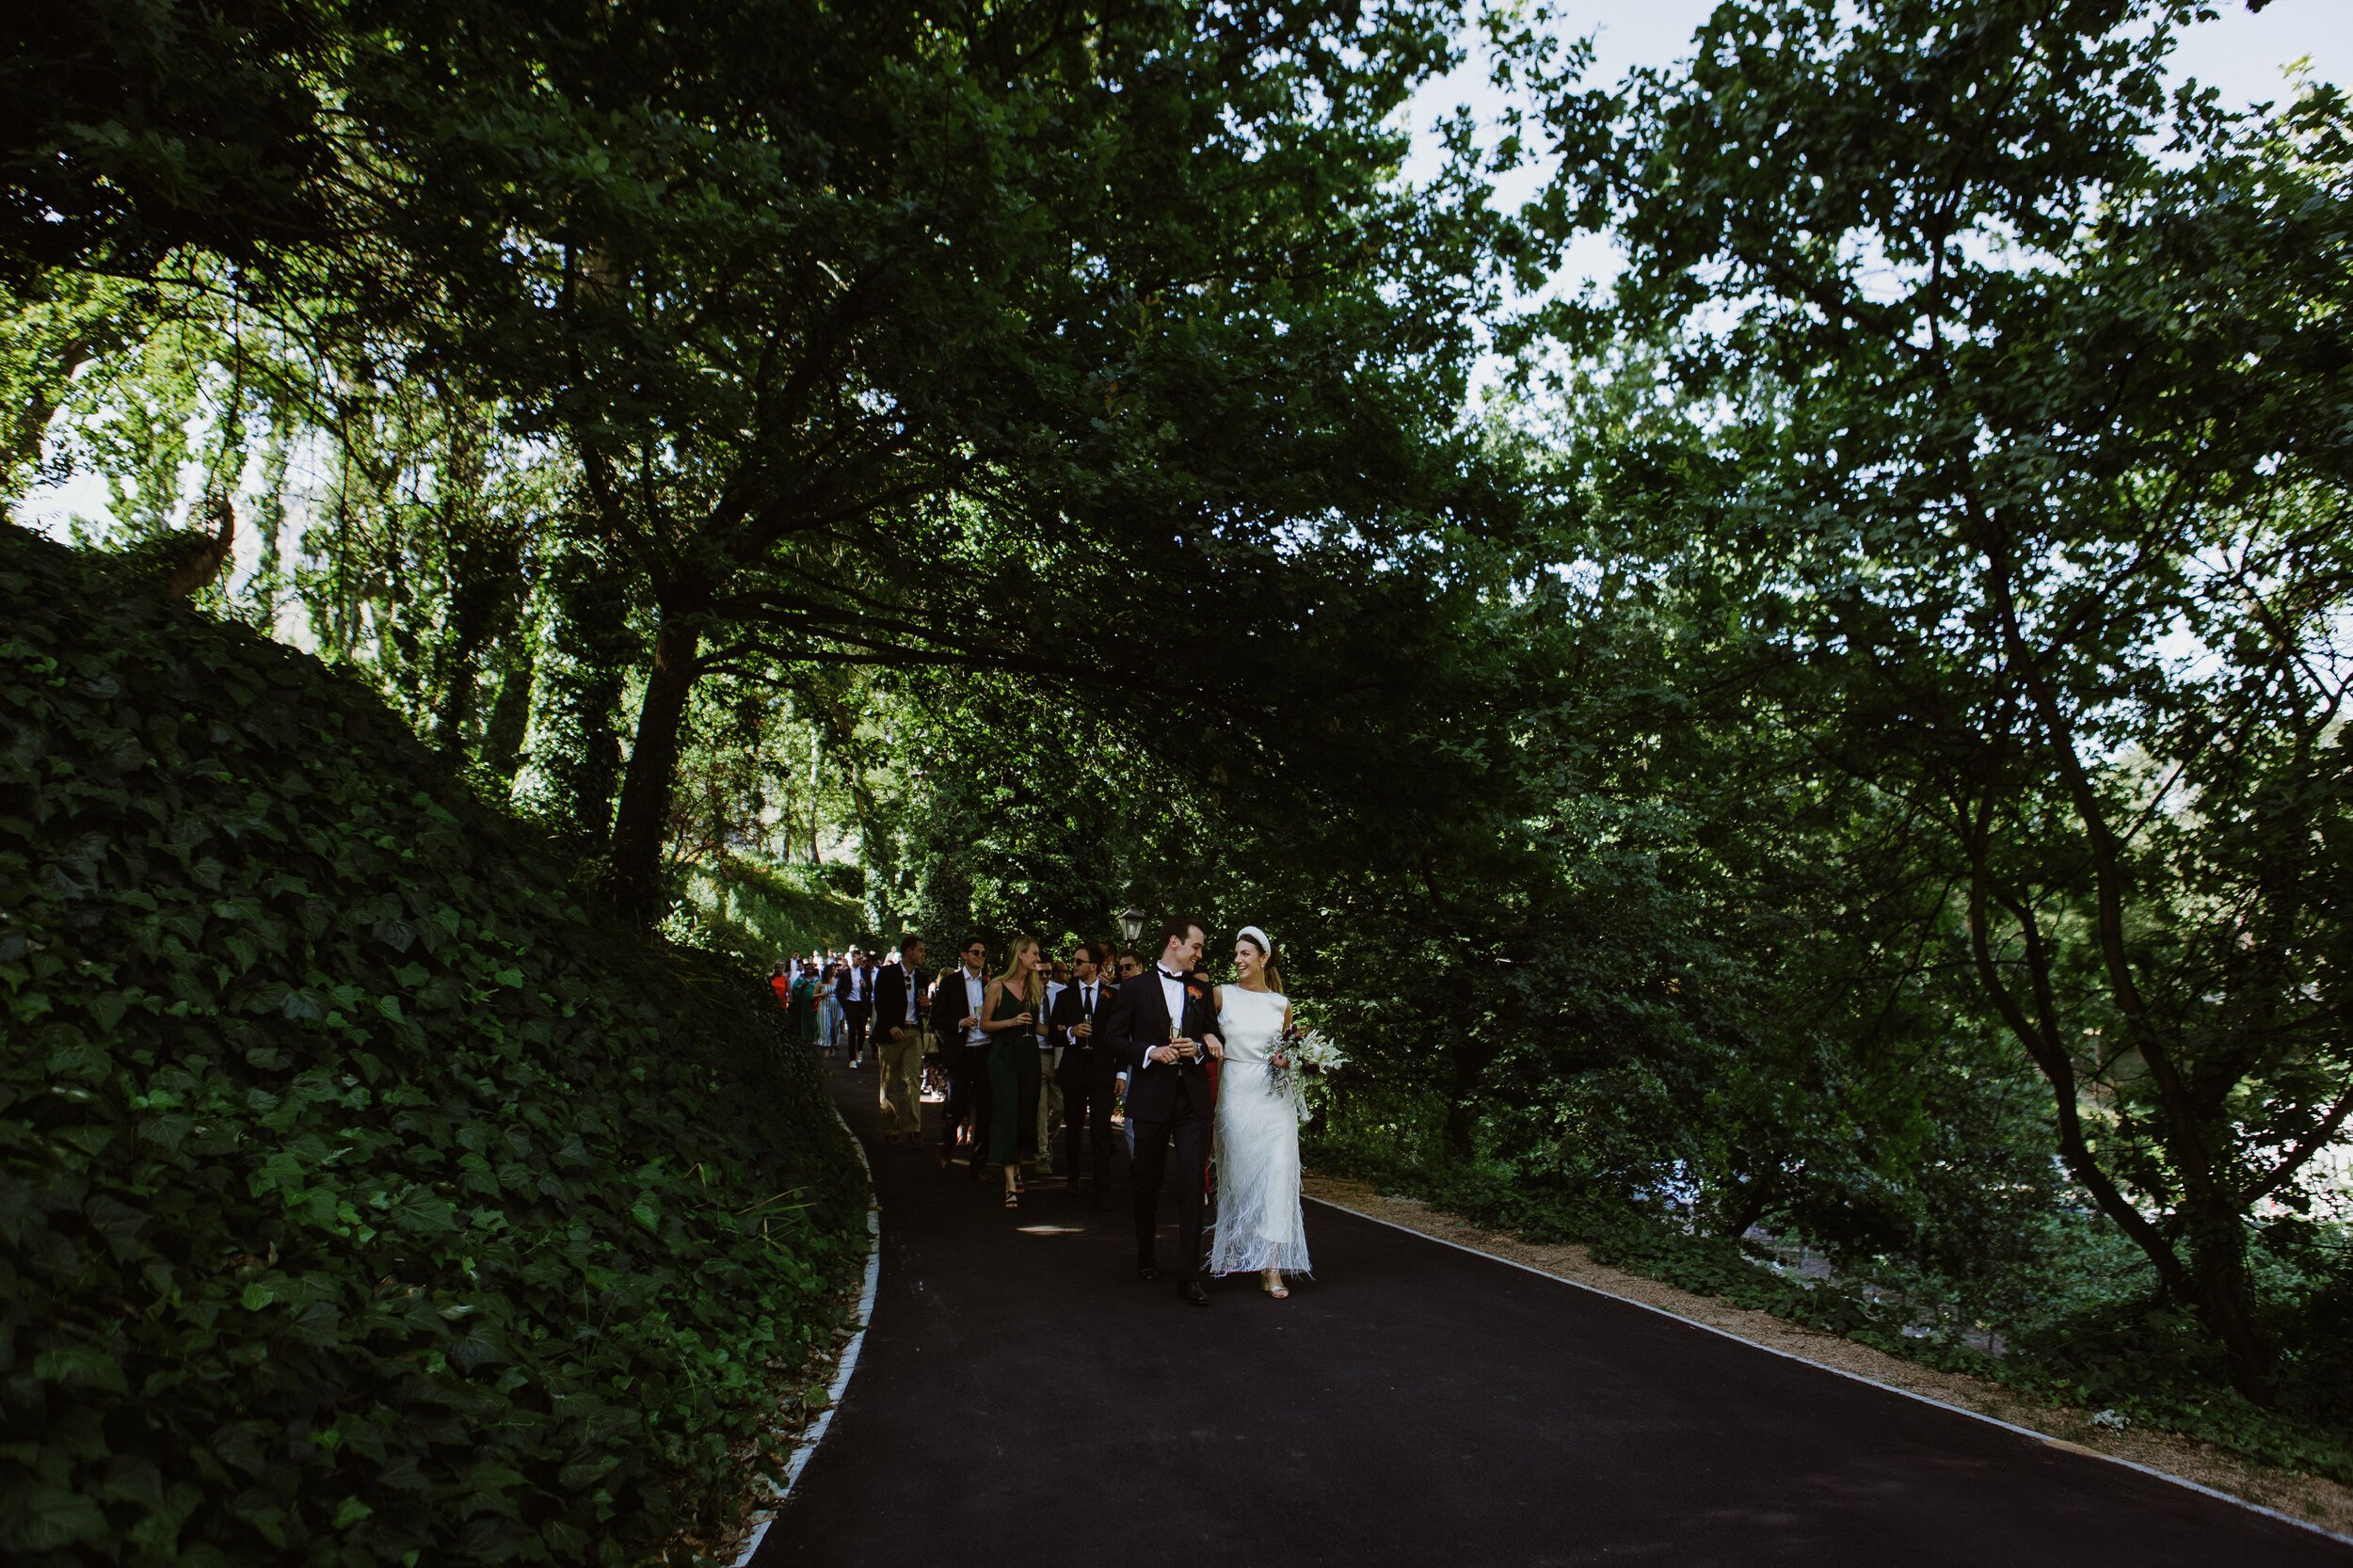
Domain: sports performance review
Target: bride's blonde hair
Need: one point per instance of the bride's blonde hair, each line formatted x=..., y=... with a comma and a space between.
x=1273, y=975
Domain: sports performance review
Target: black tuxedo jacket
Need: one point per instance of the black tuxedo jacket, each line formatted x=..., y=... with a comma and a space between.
x=890, y=999
x=842, y=988
x=1089, y=1061
x=948, y=1004
x=1138, y=1020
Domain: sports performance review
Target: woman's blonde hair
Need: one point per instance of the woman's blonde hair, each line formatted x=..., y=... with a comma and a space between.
x=1031, y=991
x=1273, y=975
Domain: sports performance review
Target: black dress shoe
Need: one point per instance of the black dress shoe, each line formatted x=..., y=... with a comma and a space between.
x=1192, y=1294
x=1146, y=1273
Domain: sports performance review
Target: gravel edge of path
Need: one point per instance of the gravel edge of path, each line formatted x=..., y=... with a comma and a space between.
x=2306, y=1500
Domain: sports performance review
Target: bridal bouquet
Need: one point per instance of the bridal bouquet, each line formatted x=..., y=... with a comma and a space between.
x=1302, y=1049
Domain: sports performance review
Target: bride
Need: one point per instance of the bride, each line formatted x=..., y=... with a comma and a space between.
x=1260, y=1225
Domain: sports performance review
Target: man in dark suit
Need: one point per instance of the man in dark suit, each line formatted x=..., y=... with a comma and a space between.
x=1086, y=1071
x=964, y=1051
x=855, y=991
x=1161, y=1027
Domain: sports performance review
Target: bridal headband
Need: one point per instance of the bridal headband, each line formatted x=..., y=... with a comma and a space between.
x=1266, y=943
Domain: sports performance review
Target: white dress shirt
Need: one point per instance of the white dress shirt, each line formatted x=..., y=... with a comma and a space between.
x=1172, y=992
x=975, y=989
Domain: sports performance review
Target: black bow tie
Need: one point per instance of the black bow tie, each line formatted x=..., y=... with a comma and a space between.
x=1165, y=975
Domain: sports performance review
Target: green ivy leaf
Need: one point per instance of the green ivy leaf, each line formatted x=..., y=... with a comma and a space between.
x=38, y=1517
x=80, y=1366
x=424, y=1213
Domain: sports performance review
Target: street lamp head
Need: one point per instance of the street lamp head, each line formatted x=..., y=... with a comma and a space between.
x=1131, y=924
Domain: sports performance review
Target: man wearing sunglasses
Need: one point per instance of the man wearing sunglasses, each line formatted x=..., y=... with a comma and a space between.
x=956, y=1025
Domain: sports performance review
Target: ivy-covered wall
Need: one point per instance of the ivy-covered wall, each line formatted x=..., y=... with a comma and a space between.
x=363, y=1196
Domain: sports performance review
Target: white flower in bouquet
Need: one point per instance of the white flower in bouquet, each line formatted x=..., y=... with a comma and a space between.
x=1302, y=1048
x=1310, y=1049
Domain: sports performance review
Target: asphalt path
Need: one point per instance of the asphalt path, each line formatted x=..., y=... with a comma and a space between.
x=1024, y=1400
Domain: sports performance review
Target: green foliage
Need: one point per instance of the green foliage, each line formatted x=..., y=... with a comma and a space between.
x=2038, y=499
x=874, y=346
x=763, y=913
x=134, y=128
x=362, y=1196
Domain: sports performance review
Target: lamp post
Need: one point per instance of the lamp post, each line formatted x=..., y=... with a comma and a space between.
x=1131, y=924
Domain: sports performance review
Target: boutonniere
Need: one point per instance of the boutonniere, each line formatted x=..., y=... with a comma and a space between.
x=1195, y=992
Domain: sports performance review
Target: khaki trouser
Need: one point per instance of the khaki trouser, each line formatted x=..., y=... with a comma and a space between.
x=1048, y=1111
x=901, y=1062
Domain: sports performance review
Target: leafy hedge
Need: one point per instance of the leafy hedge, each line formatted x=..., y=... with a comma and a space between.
x=362, y=1198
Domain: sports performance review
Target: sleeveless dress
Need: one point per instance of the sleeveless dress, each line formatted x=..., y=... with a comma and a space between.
x=803, y=1010
x=1013, y=1076
x=1259, y=1224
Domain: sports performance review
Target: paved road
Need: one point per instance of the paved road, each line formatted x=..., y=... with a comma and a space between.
x=1023, y=1402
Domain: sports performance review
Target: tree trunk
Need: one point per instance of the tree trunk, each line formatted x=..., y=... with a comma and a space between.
x=1473, y=1054
x=640, y=824
x=1746, y=1206
x=510, y=714
x=2217, y=1285
x=2226, y=1296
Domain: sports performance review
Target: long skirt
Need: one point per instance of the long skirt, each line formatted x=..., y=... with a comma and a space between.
x=1259, y=1222
x=1013, y=1078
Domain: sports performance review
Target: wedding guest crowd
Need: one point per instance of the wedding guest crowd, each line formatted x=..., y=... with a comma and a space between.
x=1036, y=1064
x=1012, y=1058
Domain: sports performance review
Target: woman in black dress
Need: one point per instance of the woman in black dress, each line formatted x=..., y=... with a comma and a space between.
x=1009, y=1017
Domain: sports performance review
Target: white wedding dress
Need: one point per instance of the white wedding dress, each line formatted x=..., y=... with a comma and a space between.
x=1259, y=1223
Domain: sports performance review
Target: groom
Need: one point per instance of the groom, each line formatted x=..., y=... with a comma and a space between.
x=1160, y=1027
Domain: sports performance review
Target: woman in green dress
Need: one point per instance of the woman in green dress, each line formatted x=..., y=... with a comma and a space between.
x=1009, y=1018
x=804, y=1008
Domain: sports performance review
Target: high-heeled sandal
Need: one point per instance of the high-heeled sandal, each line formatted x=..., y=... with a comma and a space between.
x=1013, y=1200
x=1274, y=1288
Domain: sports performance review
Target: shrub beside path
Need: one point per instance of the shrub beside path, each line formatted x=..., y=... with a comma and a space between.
x=365, y=1196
